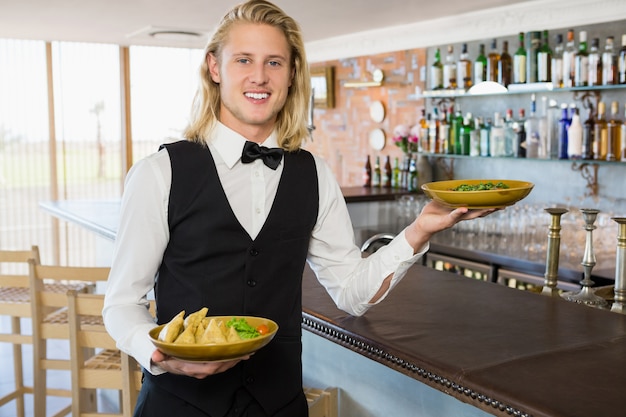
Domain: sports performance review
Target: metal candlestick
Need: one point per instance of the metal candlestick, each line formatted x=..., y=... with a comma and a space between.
x=552, y=258
x=586, y=295
x=619, y=303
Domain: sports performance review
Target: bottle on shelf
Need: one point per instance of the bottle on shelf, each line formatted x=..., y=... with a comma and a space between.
x=492, y=62
x=376, y=174
x=564, y=123
x=581, y=61
x=454, y=133
x=436, y=72
x=544, y=137
x=395, y=174
x=485, y=138
x=621, y=62
x=466, y=134
x=433, y=132
x=444, y=132
x=600, y=134
x=404, y=172
x=412, y=176
x=464, y=69
x=461, y=146
x=510, y=134
x=623, y=138
x=594, y=71
x=480, y=65
x=613, y=131
x=544, y=60
x=520, y=133
x=532, y=55
x=569, y=65
x=519, y=62
x=575, y=137
x=387, y=173
x=556, y=66
x=497, y=139
x=609, y=63
x=367, y=173
x=449, y=70
x=531, y=125
x=474, y=135
x=423, y=138
x=505, y=65
x=587, y=145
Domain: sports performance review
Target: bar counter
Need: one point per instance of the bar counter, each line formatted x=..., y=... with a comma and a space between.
x=503, y=351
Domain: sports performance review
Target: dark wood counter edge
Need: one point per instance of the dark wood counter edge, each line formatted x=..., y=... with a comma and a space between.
x=365, y=194
x=320, y=326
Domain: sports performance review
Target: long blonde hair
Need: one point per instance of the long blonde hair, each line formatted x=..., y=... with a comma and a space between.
x=291, y=121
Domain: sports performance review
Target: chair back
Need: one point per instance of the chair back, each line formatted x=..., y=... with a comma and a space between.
x=108, y=368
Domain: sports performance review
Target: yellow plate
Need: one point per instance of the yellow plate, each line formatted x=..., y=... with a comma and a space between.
x=221, y=352
x=441, y=191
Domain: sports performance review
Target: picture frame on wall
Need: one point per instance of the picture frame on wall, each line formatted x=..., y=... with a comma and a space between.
x=323, y=85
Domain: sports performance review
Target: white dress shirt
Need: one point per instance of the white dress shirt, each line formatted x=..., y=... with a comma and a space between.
x=143, y=234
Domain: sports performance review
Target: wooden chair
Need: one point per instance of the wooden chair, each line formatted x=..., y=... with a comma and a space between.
x=50, y=321
x=322, y=402
x=15, y=304
x=108, y=368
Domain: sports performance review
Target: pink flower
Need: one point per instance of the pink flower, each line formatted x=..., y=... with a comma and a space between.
x=401, y=131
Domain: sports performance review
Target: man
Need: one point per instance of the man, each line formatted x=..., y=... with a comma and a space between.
x=207, y=226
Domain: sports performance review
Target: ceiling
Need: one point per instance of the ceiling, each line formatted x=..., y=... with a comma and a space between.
x=130, y=22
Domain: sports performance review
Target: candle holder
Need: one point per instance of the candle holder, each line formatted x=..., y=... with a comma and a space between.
x=552, y=257
x=619, y=303
x=586, y=295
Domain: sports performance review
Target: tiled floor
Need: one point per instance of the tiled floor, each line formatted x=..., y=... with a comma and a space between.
x=58, y=349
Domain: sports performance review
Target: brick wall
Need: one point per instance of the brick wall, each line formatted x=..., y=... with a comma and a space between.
x=342, y=133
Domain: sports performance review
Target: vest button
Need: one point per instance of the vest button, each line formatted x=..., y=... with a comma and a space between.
x=251, y=283
x=254, y=252
x=250, y=380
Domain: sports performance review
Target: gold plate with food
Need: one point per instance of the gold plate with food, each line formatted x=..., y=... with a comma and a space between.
x=478, y=193
x=201, y=338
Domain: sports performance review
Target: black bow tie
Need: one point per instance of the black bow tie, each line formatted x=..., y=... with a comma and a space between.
x=271, y=156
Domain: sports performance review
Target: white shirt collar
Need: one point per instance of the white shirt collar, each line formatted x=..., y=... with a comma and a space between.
x=229, y=144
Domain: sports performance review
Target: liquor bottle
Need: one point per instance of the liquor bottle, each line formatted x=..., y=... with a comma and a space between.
x=613, y=131
x=443, y=131
x=532, y=54
x=621, y=61
x=464, y=69
x=412, y=176
x=485, y=137
x=433, y=132
x=497, y=139
x=575, y=137
x=376, y=174
x=600, y=134
x=543, y=151
x=436, y=72
x=609, y=63
x=569, y=67
x=454, y=135
x=544, y=60
x=492, y=62
x=587, y=145
x=510, y=135
x=505, y=65
x=531, y=125
x=594, y=71
x=395, y=174
x=553, y=115
x=480, y=65
x=557, y=63
x=564, y=123
x=404, y=172
x=423, y=139
x=581, y=61
x=519, y=62
x=520, y=132
x=467, y=130
x=387, y=173
x=367, y=173
x=449, y=70
x=474, y=136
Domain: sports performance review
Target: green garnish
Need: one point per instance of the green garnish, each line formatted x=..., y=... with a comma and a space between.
x=481, y=186
x=243, y=329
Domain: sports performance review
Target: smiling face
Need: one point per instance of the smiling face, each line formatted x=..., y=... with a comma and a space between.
x=254, y=75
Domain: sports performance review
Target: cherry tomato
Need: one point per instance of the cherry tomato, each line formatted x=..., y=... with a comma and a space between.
x=263, y=329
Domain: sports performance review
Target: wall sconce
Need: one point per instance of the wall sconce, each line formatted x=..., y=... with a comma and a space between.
x=377, y=80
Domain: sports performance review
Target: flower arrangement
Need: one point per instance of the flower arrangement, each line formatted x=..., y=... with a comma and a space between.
x=406, y=138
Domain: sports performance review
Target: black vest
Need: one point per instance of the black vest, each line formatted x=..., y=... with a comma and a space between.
x=211, y=261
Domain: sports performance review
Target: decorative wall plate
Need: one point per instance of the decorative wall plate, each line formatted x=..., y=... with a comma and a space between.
x=377, y=139
x=377, y=111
